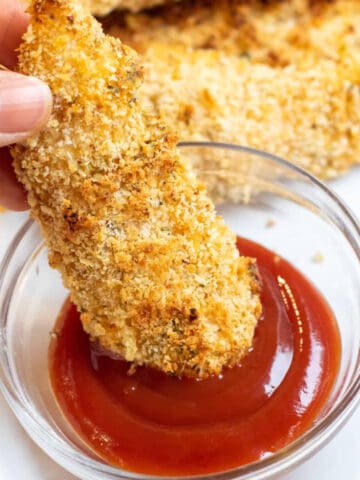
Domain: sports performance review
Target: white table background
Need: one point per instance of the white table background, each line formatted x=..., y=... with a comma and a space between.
x=21, y=459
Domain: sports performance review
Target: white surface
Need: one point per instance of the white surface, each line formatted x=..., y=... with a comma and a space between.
x=21, y=459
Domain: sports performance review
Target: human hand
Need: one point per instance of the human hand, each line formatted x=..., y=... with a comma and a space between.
x=25, y=102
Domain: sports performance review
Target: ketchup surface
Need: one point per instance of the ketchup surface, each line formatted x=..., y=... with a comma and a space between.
x=156, y=424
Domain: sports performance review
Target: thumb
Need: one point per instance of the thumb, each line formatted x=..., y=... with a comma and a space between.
x=25, y=106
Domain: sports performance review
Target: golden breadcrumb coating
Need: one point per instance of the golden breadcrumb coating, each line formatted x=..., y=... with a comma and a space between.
x=275, y=110
x=102, y=7
x=153, y=270
x=279, y=76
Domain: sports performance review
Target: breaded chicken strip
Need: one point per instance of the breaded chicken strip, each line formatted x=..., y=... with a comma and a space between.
x=102, y=7
x=275, y=32
x=279, y=76
x=211, y=96
x=154, y=272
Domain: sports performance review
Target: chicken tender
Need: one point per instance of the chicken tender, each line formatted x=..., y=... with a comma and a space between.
x=153, y=270
x=274, y=32
x=283, y=77
x=276, y=110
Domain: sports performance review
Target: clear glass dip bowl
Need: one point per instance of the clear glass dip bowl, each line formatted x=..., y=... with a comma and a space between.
x=262, y=198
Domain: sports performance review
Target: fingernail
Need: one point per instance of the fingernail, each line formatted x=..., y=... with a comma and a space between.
x=25, y=103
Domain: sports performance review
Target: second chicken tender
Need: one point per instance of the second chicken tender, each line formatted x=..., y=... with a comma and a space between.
x=153, y=270
x=207, y=95
x=279, y=76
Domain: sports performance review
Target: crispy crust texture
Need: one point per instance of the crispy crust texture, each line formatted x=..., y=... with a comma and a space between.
x=280, y=76
x=154, y=272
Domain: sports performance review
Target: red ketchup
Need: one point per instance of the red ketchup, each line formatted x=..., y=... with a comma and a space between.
x=156, y=424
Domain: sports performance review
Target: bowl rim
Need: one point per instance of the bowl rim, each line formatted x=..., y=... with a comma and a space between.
x=280, y=461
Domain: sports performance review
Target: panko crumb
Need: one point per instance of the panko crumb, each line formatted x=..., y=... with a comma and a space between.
x=153, y=270
x=318, y=257
x=277, y=259
x=270, y=223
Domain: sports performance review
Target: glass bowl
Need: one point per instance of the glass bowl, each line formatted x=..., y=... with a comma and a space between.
x=263, y=198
